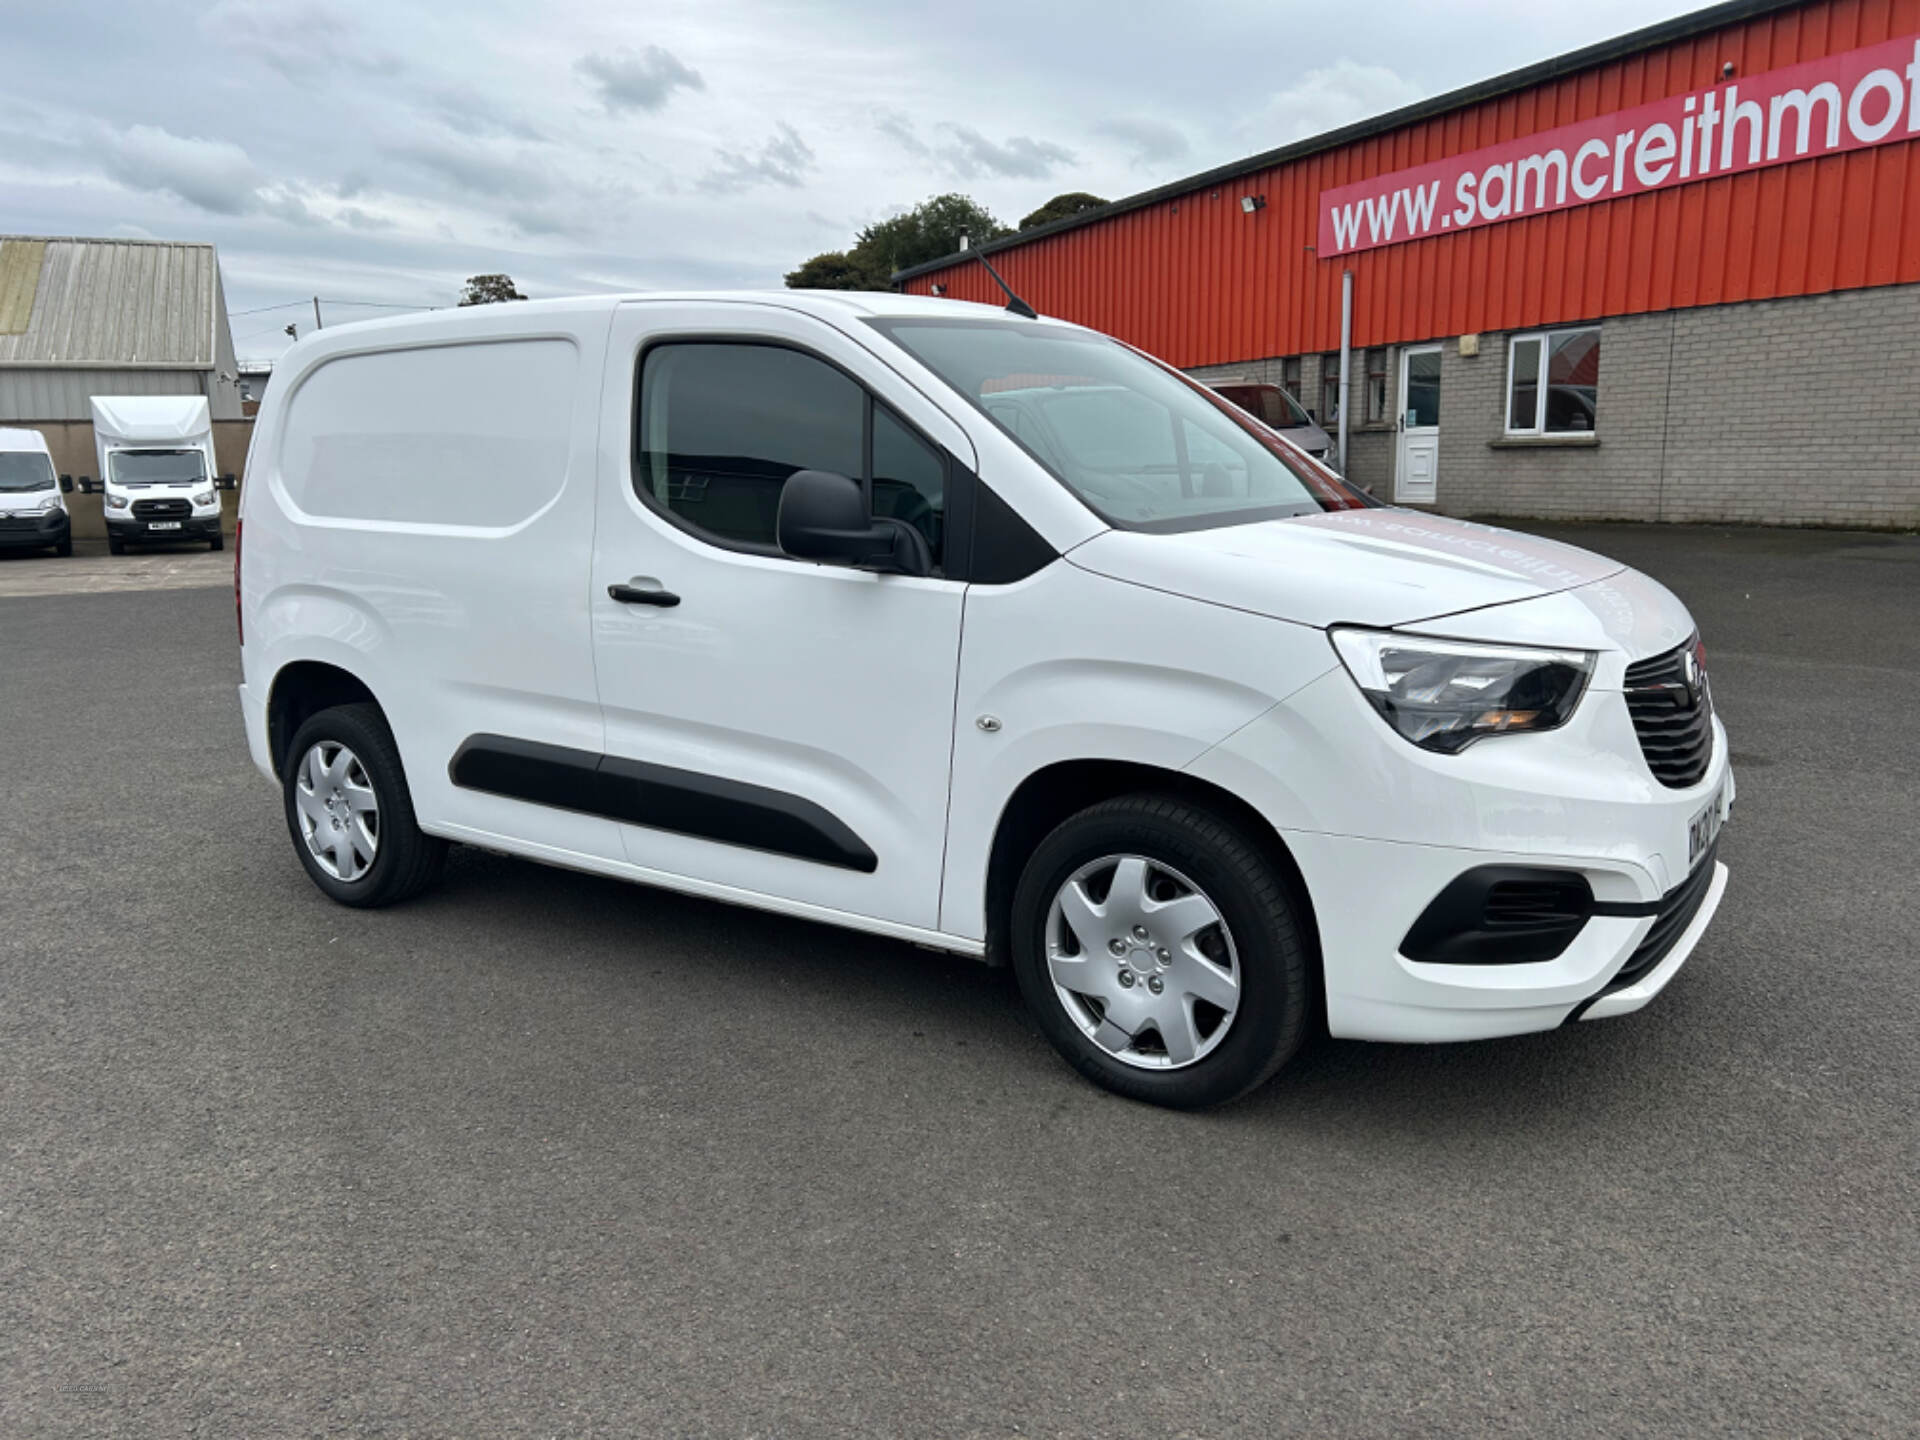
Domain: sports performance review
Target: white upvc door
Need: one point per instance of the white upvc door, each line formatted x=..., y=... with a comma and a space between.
x=1417, y=456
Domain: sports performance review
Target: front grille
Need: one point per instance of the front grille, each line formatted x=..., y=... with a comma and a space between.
x=19, y=522
x=1672, y=711
x=1677, y=909
x=175, y=509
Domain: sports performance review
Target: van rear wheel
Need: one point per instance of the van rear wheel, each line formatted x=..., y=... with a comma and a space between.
x=349, y=811
x=1159, y=951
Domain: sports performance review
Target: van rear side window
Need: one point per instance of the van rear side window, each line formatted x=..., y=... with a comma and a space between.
x=452, y=434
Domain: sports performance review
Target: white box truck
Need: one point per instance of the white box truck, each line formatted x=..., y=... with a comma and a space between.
x=156, y=469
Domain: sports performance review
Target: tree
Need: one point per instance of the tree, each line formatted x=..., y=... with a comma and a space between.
x=1062, y=206
x=928, y=231
x=834, y=270
x=489, y=290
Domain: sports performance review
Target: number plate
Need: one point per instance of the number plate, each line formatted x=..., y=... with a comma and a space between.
x=163, y=524
x=1704, y=828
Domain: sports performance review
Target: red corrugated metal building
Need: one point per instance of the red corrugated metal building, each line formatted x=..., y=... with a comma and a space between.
x=1673, y=276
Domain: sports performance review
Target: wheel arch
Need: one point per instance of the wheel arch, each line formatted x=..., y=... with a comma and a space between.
x=302, y=689
x=1056, y=791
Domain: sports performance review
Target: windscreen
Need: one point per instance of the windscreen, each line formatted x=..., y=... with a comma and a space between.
x=24, y=470
x=1141, y=444
x=157, y=467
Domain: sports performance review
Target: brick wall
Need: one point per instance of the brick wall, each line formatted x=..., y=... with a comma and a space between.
x=1783, y=412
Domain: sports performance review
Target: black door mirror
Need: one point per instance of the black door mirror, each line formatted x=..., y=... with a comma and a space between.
x=226, y=482
x=823, y=516
x=86, y=485
x=66, y=484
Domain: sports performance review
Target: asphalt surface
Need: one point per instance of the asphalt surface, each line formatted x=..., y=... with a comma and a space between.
x=91, y=570
x=542, y=1154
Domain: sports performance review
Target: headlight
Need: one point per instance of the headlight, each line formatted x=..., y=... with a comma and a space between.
x=205, y=497
x=117, y=502
x=1445, y=694
x=51, y=505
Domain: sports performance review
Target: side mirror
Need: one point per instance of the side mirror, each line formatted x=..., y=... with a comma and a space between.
x=823, y=516
x=226, y=482
x=86, y=485
x=66, y=484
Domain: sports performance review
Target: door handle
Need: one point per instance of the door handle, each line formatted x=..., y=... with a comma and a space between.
x=642, y=590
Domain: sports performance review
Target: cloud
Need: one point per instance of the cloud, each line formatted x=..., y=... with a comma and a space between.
x=297, y=37
x=970, y=154
x=1148, y=142
x=478, y=170
x=472, y=113
x=549, y=220
x=899, y=129
x=1325, y=99
x=215, y=175
x=283, y=203
x=644, y=81
x=362, y=220
x=783, y=160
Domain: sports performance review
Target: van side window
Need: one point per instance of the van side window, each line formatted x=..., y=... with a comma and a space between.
x=909, y=478
x=723, y=425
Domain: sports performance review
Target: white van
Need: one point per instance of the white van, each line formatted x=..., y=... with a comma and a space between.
x=157, y=469
x=765, y=598
x=33, y=512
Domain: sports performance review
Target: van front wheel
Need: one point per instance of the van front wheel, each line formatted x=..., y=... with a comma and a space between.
x=349, y=811
x=1158, y=949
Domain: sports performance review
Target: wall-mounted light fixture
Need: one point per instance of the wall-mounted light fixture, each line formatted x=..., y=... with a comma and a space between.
x=1251, y=203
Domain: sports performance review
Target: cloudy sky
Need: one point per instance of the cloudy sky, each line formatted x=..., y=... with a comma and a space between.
x=381, y=152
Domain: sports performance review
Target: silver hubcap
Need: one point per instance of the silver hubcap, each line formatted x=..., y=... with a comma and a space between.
x=338, y=813
x=1143, y=962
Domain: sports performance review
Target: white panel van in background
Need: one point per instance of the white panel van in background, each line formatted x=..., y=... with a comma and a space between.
x=157, y=469
x=975, y=630
x=33, y=512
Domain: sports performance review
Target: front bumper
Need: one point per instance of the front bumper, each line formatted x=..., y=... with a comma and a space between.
x=142, y=532
x=1379, y=828
x=21, y=532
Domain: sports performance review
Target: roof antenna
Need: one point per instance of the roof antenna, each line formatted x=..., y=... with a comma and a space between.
x=1014, y=303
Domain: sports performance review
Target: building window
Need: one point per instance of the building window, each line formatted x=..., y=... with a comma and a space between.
x=1379, y=402
x=1290, y=376
x=1553, y=382
x=1329, y=390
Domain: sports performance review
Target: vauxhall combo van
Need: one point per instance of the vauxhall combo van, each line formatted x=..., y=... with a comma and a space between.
x=985, y=632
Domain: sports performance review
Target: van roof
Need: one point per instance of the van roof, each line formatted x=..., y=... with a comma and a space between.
x=17, y=439
x=813, y=302
x=150, y=417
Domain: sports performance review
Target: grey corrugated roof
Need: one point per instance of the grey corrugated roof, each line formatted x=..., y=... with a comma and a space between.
x=124, y=303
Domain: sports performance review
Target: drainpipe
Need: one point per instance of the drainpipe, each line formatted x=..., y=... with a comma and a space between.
x=1346, y=356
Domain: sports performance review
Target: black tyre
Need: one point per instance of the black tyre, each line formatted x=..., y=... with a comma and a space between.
x=1159, y=951
x=349, y=811
x=219, y=542
x=115, y=545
